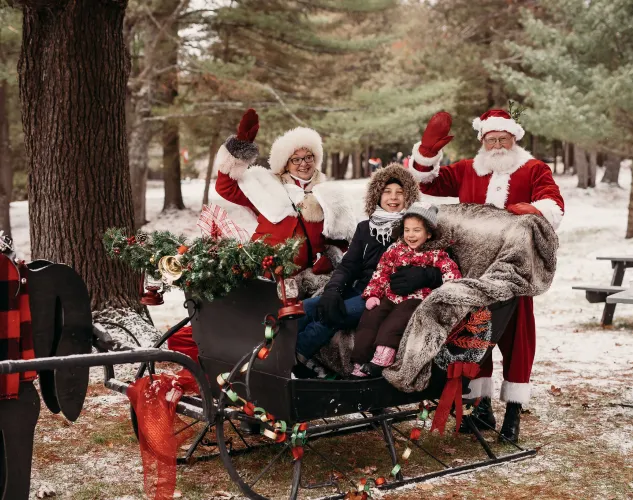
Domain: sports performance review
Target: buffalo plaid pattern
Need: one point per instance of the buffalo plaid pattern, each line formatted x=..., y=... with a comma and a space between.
x=215, y=222
x=16, y=337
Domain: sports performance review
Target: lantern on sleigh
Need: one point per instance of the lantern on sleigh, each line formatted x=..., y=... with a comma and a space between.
x=288, y=292
x=151, y=290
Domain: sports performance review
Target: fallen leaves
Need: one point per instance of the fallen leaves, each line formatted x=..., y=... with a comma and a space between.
x=45, y=491
x=555, y=391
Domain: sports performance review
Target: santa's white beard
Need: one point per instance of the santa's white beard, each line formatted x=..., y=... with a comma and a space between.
x=498, y=160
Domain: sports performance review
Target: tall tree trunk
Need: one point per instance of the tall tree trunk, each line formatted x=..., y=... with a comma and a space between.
x=140, y=136
x=582, y=167
x=6, y=168
x=366, y=165
x=335, y=165
x=612, y=169
x=555, y=145
x=343, y=166
x=593, y=168
x=629, y=221
x=213, y=149
x=568, y=158
x=357, y=165
x=167, y=57
x=73, y=71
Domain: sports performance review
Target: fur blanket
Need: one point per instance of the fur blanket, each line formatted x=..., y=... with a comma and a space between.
x=500, y=255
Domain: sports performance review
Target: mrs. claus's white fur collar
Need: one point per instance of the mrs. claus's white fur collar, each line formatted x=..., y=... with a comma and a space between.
x=274, y=199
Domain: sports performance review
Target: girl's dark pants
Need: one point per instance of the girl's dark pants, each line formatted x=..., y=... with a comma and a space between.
x=383, y=325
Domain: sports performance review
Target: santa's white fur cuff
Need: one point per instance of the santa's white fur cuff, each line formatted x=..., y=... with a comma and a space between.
x=483, y=387
x=550, y=210
x=512, y=392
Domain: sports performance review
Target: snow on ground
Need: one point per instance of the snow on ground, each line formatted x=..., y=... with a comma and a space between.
x=573, y=352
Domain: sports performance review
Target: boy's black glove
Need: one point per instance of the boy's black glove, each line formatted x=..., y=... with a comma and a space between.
x=331, y=308
x=408, y=279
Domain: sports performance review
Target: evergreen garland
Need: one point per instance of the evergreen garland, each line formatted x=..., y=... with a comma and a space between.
x=211, y=267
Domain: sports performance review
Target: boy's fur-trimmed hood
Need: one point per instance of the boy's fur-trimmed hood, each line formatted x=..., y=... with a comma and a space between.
x=379, y=181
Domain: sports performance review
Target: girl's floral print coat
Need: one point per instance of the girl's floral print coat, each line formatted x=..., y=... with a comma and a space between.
x=398, y=255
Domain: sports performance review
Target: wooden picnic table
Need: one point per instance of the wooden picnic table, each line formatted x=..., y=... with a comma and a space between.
x=610, y=294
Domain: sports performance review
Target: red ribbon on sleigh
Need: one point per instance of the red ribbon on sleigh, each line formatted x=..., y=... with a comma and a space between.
x=452, y=393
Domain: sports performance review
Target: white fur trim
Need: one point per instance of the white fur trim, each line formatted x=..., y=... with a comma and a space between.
x=423, y=160
x=339, y=221
x=523, y=157
x=267, y=193
x=425, y=177
x=273, y=200
x=498, y=188
x=498, y=124
x=288, y=143
x=483, y=387
x=550, y=210
x=226, y=163
x=513, y=392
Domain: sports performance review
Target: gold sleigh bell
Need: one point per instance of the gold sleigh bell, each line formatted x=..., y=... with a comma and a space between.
x=170, y=268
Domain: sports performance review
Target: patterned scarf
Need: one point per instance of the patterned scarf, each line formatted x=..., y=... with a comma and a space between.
x=383, y=222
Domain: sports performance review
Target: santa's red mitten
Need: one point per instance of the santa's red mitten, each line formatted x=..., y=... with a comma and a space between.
x=523, y=209
x=322, y=265
x=248, y=127
x=434, y=138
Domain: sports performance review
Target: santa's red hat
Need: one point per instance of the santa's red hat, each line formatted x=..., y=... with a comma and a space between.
x=497, y=120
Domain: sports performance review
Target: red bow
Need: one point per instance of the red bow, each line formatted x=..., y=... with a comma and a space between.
x=452, y=393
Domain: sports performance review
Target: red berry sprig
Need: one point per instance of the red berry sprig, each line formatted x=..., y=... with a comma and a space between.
x=268, y=261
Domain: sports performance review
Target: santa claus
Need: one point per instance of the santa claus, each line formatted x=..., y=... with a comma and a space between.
x=505, y=175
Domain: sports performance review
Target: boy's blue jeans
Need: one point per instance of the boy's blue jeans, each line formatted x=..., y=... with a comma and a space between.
x=313, y=334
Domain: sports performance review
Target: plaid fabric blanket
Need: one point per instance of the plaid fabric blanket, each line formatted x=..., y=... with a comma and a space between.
x=16, y=337
x=215, y=222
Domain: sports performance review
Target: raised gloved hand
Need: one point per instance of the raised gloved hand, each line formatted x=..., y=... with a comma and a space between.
x=248, y=127
x=435, y=136
x=523, y=209
x=408, y=279
x=372, y=302
x=331, y=308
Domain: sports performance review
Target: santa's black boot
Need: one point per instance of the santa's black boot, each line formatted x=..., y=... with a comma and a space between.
x=482, y=416
x=511, y=423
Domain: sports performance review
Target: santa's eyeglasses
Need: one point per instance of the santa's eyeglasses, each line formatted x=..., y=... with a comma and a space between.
x=297, y=160
x=490, y=141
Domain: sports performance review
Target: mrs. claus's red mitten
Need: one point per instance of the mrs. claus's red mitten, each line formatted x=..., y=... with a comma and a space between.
x=523, y=209
x=248, y=127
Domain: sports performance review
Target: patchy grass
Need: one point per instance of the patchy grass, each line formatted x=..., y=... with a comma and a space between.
x=583, y=440
x=106, y=491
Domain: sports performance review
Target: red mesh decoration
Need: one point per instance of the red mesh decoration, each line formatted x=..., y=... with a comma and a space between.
x=182, y=341
x=158, y=431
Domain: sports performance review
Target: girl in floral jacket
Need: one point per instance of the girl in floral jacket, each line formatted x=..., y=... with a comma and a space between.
x=383, y=323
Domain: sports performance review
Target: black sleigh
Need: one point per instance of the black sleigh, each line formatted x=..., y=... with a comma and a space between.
x=253, y=415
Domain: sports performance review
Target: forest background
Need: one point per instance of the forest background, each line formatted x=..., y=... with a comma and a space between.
x=169, y=79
